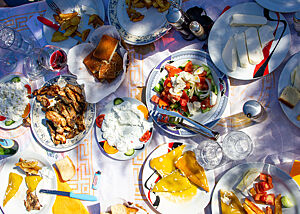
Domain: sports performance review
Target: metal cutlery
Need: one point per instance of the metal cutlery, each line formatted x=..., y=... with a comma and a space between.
x=84, y=197
x=53, y=6
x=197, y=127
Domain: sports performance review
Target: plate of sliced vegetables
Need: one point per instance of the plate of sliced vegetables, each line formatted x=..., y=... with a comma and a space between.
x=256, y=187
x=188, y=82
x=14, y=101
x=124, y=128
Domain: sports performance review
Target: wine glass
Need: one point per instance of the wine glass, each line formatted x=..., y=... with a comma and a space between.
x=42, y=60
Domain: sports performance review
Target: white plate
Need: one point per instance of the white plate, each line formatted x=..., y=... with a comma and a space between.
x=20, y=121
x=285, y=80
x=40, y=129
x=221, y=32
x=68, y=7
x=16, y=204
x=161, y=204
x=283, y=6
x=283, y=184
x=91, y=85
x=120, y=155
x=151, y=28
x=209, y=118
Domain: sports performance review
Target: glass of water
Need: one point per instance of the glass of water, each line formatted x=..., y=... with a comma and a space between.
x=237, y=145
x=209, y=154
x=13, y=40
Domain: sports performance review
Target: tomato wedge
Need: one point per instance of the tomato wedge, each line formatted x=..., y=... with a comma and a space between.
x=172, y=70
x=188, y=67
x=26, y=111
x=146, y=136
x=99, y=120
x=28, y=88
x=2, y=118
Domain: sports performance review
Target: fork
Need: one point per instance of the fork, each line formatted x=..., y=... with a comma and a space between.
x=53, y=6
x=164, y=117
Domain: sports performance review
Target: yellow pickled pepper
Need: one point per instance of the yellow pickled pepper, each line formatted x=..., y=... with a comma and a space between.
x=14, y=183
x=32, y=181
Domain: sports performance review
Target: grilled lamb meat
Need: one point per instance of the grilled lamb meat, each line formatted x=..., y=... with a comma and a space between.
x=80, y=122
x=32, y=202
x=56, y=118
x=64, y=98
x=61, y=138
x=75, y=88
x=43, y=100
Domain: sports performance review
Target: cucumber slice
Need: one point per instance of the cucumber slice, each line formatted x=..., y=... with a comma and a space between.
x=16, y=79
x=287, y=202
x=9, y=122
x=129, y=152
x=158, y=88
x=118, y=101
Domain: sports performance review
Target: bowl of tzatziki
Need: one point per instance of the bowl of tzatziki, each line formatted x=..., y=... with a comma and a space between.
x=14, y=101
x=124, y=128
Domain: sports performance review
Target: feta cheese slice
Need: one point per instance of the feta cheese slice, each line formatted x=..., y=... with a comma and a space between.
x=240, y=42
x=229, y=55
x=265, y=35
x=254, y=49
x=247, y=20
x=213, y=98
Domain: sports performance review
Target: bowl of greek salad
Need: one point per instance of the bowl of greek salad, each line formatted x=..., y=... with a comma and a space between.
x=188, y=82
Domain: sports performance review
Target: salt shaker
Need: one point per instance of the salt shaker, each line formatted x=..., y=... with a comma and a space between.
x=255, y=111
x=180, y=22
x=198, y=30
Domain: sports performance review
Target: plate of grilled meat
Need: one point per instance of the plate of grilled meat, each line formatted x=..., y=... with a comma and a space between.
x=60, y=115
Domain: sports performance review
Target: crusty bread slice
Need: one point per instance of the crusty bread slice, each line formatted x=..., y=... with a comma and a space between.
x=106, y=48
x=290, y=96
x=66, y=168
x=92, y=63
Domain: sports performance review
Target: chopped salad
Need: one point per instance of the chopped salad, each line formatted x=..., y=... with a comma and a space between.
x=188, y=89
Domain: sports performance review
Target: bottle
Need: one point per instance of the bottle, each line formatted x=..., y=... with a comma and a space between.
x=8, y=147
x=180, y=22
x=198, y=30
x=255, y=111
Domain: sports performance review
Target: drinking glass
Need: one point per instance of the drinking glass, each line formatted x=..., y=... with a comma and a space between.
x=12, y=40
x=209, y=154
x=8, y=61
x=42, y=60
x=237, y=145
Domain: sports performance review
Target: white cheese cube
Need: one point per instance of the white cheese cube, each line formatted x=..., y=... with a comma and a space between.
x=265, y=35
x=213, y=98
x=229, y=54
x=254, y=49
x=240, y=42
x=247, y=20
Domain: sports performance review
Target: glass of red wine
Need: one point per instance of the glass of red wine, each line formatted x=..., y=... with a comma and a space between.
x=42, y=60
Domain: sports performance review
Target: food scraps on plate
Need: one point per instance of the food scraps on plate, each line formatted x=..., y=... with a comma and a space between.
x=69, y=23
x=135, y=16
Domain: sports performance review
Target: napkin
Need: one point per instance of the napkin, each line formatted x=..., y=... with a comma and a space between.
x=295, y=171
x=64, y=204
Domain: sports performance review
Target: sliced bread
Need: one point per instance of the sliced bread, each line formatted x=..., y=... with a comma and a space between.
x=66, y=168
x=106, y=48
x=290, y=96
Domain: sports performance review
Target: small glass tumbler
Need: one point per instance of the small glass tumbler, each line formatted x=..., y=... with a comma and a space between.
x=209, y=154
x=12, y=40
x=237, y=145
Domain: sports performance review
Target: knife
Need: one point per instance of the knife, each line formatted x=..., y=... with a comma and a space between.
x=84, y=197
x=56, y=27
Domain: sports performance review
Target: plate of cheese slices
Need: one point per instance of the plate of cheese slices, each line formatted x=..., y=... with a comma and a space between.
x=174, y=182
x=243, y=37
x=289, y=89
